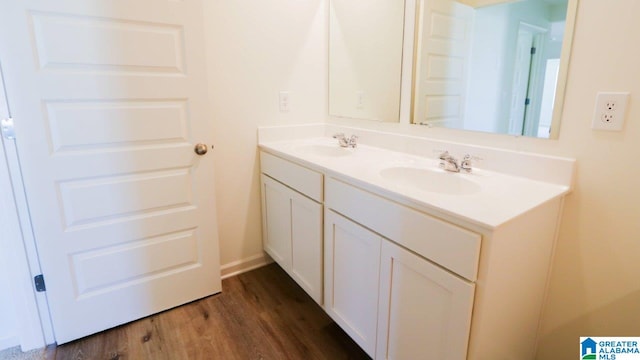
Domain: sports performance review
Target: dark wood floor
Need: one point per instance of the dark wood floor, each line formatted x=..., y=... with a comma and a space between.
x=261, y=314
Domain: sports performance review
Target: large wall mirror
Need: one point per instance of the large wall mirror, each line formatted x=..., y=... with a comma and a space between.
x=485, y=65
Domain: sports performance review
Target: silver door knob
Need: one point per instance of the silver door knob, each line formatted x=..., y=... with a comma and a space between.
x=200, y=149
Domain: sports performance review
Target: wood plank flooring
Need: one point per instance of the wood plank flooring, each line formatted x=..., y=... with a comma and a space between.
x=262, y=314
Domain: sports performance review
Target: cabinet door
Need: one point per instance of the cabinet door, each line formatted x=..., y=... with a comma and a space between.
x=424, y=311
x=292, y=230
x=352, y=263
x=306, y=245
x=276, y=221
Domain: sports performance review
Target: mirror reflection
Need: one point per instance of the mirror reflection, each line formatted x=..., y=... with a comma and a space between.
x=489, y=68
x=365, y=58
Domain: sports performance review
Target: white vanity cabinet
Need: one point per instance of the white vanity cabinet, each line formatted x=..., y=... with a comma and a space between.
x=394, y=303
x=292, y=221
x=408, y=278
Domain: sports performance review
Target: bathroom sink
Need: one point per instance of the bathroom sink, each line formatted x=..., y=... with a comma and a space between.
x=324, y=150
x=431, y=180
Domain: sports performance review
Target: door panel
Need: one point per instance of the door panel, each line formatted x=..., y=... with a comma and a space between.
x=162, y=44
x=95, y=125
x=109, y=100
x=89, y=265
x=92, y=201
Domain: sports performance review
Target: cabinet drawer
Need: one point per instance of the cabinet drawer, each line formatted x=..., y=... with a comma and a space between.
x=297, y=177
x=445, y=244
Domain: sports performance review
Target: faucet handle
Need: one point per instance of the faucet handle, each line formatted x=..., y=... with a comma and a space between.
x=466, y=163
x=353, y=141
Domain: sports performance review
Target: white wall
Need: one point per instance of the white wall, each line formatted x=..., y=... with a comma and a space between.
x=256, y=49
x=595, y=288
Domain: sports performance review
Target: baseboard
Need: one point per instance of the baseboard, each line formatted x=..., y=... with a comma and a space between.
x=243, y=265
x=9, y=342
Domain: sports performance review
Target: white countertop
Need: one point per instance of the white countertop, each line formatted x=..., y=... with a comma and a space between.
x=502, y=197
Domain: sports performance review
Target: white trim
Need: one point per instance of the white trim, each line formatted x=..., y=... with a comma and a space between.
x=563, y=73
x=29, y=328
x=408, y=50
x=243, y=265
x=34, y=328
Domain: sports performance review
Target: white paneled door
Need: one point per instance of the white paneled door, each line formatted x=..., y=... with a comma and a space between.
x=109, y=101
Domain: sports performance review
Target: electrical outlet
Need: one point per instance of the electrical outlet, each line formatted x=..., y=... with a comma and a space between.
x=611, y=105
x=285, y=103
x=610, y=111
x=608, y=118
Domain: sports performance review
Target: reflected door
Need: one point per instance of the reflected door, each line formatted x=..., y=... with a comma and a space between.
x=109, y=100
x=444, y=39
x=527, y=81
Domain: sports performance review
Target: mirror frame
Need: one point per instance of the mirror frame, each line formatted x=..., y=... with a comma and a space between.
x=563, y=74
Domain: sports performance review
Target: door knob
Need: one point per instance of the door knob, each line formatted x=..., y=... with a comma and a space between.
x=200, y=149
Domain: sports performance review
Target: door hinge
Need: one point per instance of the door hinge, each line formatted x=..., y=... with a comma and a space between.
x=39, y=281
x=533, y=51
x=7, y=129
x=527, y=101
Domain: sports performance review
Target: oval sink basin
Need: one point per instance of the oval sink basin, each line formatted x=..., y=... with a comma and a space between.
x=324, y=150
x=436, y=180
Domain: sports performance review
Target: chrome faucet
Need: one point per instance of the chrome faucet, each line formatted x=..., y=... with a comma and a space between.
x=450, y=163
x=343, y=141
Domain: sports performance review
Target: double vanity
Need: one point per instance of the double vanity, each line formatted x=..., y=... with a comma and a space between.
x=412, y=261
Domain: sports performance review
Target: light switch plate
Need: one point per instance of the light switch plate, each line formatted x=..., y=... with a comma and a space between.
x=284, y=101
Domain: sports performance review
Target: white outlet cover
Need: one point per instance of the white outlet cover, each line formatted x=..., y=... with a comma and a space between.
x=610, y=111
